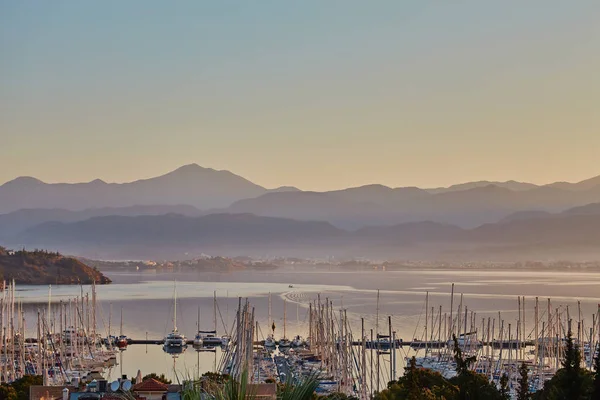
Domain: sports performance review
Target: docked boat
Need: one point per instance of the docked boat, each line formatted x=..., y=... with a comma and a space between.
x=225, y=340
x=298, y=342
x=284, y=342
x=175, y=339
x=122, y=341
x=210, y=338
x=69, y=335
x=270, y=342
x=198, y=342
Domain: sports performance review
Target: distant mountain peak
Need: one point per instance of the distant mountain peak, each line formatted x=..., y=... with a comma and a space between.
x=284, y=189
x=190, y=168
x=23, y=181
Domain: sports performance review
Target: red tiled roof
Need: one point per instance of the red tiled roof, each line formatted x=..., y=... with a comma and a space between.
x=150, y=385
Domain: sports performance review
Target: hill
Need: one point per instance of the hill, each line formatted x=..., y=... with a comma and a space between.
x=42, y=268
x=379, y=205
x=588, y=209
x=17, y=221
x=179, y=237
x=172, y=236
x=191, y=185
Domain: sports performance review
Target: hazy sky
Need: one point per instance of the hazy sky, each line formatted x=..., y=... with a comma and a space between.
x=317, y=94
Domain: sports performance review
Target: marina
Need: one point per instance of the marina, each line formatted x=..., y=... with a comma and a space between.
x=350, y=352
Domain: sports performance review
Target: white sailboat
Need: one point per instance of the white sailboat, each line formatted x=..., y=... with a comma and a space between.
x=210, y=338
x=284, y=341
x=175, y=339
x=198, y=342
x=270, y=340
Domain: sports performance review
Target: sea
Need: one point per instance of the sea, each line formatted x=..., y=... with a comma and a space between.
x=145, y=299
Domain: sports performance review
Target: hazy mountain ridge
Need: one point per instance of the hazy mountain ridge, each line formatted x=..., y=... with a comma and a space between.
x=237, y=234
x=357, y=207
x=467, y=205
x=191, y=185
x=18, y=221
x=179, y=229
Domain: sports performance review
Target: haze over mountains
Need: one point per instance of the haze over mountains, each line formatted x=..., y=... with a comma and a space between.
x=196, y=209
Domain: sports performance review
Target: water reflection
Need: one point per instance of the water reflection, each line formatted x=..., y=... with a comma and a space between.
x=148, y=307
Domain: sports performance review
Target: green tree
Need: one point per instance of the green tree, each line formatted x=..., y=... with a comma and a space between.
x=596, y=389
x=471, y=385
x=21, y=386
x=504, y=389
x=418, y=384
x=161, y=378
x=7, y=392
x=523, y=392
x=571, y=382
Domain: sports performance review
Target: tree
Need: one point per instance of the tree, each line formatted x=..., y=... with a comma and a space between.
x=571, y=382
x=21, y=386
x=596, y=392
x=523, y=393
x=504, y=389
x=471, y=385
x=418, y=384
x=7, y=392
x=462, y=364
x=161, y=378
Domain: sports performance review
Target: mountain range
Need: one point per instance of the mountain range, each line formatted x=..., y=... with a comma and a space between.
x=201, y=209
x=210, y=191
x=574, y=231
x=190, y=184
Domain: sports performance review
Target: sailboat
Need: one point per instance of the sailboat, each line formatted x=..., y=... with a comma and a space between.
x=198, y=342
x=210, y=338
x=270, y=340
x=110, y=340
x=122, y=340
x=284, y=341
x=174, y=339
x=298, y=341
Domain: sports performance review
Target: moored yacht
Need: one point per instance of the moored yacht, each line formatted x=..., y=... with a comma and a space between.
x=175, y=339
x=270, y=341
x=210, y=338
x=198, y=342
x=284, y=342
x=298, y=341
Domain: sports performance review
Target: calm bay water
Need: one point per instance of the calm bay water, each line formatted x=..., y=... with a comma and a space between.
x=146, y=299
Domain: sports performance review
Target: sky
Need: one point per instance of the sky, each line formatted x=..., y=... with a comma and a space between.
x=315, y=94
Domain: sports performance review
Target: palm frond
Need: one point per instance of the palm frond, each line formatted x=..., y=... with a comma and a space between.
x=302, y=390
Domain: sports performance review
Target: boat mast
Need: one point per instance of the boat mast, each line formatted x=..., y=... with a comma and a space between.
x=174, y=307
x=215, y=310
x=451, y=324
x=49, y=306
x=109, y=320
x=426, y=319
x=284, y=316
